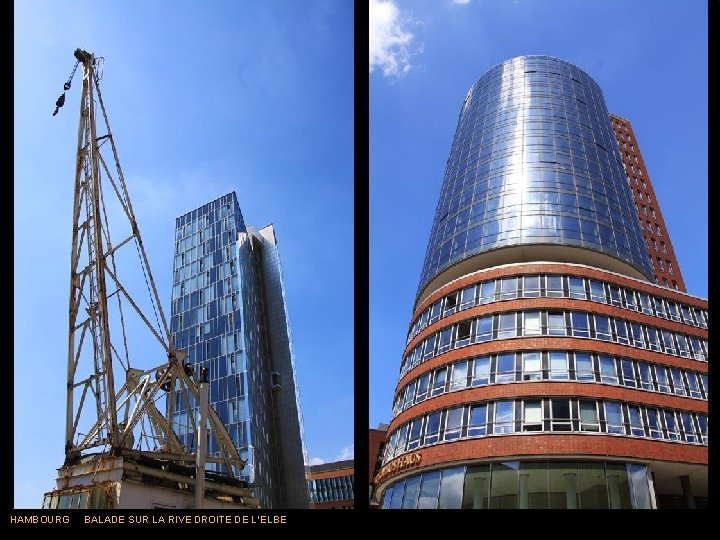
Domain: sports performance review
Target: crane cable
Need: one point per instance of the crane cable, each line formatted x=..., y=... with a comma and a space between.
x=61, y=100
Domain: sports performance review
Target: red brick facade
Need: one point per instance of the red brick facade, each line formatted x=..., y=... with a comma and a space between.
x=377, y=438
x=553, y=444
x=647, y=203
x=537, y=444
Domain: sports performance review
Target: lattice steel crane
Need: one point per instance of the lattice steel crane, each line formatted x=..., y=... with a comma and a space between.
x=111, y=406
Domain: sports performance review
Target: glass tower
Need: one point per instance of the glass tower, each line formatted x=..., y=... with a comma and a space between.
x=229, y=315
x=533, y=164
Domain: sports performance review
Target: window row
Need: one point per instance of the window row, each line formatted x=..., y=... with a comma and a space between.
x=202, y=258
x=196, y=220
x=554, y=323
x=336, y=488
x=497, y=230
x=560, y=414
x=193, y=236
x=556, y=286
x=649, y=226
x=551, y=366
x=211, y=281
x=525, y=484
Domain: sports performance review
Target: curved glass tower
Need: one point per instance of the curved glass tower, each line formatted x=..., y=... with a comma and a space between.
x=543, y=368
x=534, y=163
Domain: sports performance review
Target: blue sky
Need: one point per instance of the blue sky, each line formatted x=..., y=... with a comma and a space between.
x=648, y=56
x=203, y=99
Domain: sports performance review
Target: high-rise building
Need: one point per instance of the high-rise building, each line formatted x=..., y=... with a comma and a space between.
x=229, y=315
x=544, y=367
x=666, y=269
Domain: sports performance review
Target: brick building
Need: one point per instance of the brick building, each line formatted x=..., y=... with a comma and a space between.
x=554, y=358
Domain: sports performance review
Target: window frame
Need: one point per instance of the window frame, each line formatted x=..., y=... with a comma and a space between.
x=556, y=330
x=505, y=426
x=486, y=292
x=614, y=428
x=558, y=423
x=554, y=292
x=420, y=397
x=574, y=291
x=627, y=368
x=488, y=373
x=477, y=430
x=585, y=375
x=605, y=333
x=644, y=382
x=445, y=339
x=481, y=335
x=462, y=339
x=456, y=382
x=532, y=291
x=583, y=332
x=657, y=431
x=536, y=329
x=531, y=374
x=593, y=426
x=509, y=293
x=464, y=302
x=454, y=432
x=595, y=294
x=621, y=331
x=435, y=312
x=678, y=381
x=505, y=376
x=673, y=432
x=450, y=303
x=420, y=421
x=507, y=332
x=535, y=424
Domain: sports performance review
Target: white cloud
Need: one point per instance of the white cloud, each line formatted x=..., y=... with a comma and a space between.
x=461, y=1
x=346, y=453
x=389, y=41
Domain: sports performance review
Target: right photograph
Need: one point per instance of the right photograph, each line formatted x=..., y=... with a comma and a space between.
x=538, y=255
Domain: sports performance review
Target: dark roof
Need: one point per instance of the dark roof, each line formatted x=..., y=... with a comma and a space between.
x=335, y=465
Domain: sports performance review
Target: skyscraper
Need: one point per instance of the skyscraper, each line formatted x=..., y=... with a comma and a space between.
x=660, y=250
x=543, y=367
x=229, y=315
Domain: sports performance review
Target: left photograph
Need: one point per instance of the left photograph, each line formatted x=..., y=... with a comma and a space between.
x=175, y=262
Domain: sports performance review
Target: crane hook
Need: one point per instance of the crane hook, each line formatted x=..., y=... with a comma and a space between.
x=61, y=100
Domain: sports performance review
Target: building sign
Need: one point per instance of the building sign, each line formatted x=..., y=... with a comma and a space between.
x=395, y=466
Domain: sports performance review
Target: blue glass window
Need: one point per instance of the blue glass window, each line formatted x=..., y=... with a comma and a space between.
x=505, y=368
x=613, y=418
x=477, y=423
x=579, y=324
x=504, y=417
x=481, y=371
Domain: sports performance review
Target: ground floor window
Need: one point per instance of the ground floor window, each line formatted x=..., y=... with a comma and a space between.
x=526, y=484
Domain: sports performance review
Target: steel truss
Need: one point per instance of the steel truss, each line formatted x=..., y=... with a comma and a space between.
x=102, y=413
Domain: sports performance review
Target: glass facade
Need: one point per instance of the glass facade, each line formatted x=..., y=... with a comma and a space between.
x=526, y=484
x=534, y=161
x=221, y=302
x=335, y=488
